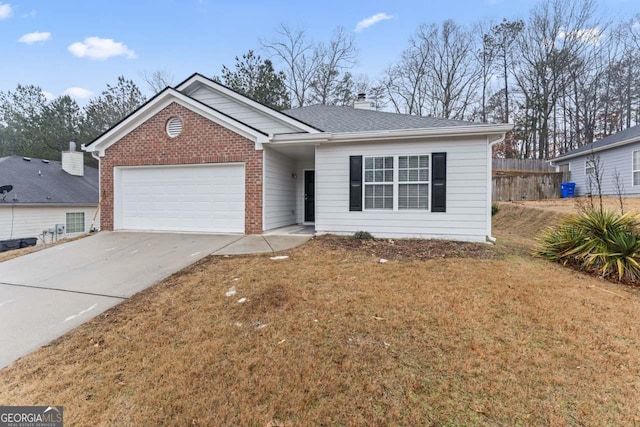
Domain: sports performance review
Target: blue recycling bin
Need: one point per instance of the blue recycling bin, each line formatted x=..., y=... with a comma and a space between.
x=567, y=189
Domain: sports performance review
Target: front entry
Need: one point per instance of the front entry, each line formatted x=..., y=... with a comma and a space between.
x=309, y=196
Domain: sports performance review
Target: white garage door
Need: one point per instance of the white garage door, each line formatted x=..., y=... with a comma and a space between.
x=207, y=198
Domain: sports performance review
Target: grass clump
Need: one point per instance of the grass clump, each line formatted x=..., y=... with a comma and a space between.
x=606, y=243
x=494, y=209
x=363, y=235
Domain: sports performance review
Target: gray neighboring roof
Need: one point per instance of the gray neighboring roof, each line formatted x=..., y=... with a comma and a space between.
x=53, y=187
x=632, y=134
x=331, y=118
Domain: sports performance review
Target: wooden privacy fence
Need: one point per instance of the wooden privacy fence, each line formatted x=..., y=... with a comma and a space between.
x=526, y=165
x=524, y=186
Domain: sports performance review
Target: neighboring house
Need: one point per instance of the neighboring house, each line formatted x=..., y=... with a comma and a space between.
x=203, y=158
x=47, y=193
x=617, y=154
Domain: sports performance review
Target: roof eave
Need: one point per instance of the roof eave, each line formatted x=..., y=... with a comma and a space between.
x=570, y=155
x=381, y=135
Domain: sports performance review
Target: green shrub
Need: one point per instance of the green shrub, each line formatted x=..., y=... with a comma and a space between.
x=363, y=235
x=494, y=209
x=606, y=243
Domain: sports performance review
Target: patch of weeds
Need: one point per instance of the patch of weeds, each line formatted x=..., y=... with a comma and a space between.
x=363, y=235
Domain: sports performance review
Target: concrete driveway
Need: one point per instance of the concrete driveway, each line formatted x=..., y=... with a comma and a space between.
x=49, y=292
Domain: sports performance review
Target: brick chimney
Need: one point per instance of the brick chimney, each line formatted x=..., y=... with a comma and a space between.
x=73, y=161
x=362, y=103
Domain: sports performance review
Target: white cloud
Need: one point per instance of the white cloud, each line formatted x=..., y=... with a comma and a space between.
x=99, y=49
x=78, y=93
x=31, y=14
x=35, y=37
x=5, y=10
x=367, y=22
x=48, y=95
x=592, y=36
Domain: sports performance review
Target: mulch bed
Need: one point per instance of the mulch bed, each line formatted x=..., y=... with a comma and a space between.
x=412, y=249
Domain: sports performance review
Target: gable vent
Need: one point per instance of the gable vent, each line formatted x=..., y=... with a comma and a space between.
x=174, y=127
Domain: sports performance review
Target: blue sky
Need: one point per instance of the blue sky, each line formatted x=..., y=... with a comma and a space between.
x=60, y=45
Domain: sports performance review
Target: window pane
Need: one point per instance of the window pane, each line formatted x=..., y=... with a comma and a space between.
x=413, y=162
x=424, y=161
x=368, y=190
x=368, y=176
x=424, y=174
x=413, y=175
x=378, y=176
x=378, y=190
x=402, y=175
x=368, y=203
x=388, y=162
x=413, y=196
x=388, y=175
x=402, y=162
x=636, y=161
x=636, y=178
x=379, y=162
x=368, y=163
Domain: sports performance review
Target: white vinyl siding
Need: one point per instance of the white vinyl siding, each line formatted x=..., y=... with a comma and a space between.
x=190, y=198
x=635, y=169
x=614, y=160
x=75, y=222
x=280, y=179
x=30, y=221
x=467, y=212
x=242, y=112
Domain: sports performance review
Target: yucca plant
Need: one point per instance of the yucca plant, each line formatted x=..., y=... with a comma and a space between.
x=604, y=242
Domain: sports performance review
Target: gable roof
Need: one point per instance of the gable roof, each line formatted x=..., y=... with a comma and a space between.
x=161, y=101
x=52, y=186
x=187, y=87
x=331, y=118
x=623, y=137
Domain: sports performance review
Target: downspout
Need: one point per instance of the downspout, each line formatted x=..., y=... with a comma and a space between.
x=490, y=238
x=95, y=214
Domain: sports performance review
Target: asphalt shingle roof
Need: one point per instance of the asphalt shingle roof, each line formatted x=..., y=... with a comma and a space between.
x=629, y=133
x=331, y=118
x=52, y=187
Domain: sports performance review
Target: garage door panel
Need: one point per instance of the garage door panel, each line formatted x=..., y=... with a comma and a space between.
x=207, y=198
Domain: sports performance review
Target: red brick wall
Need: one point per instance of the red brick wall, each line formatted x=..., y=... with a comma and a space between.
x=201, y=141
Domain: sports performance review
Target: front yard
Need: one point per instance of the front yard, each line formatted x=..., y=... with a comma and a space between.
x=460, y=335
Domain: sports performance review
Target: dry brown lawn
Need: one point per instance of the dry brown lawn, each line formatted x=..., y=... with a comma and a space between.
x=573, y=205
x=330, y=336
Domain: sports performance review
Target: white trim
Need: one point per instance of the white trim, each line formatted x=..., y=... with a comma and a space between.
x=383, y=135
x=490, y=144
x=162, y=101
x=633, y=171
x=187, y=87
x=396, y=183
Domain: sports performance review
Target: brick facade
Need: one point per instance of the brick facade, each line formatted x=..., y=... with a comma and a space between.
x=201, y=141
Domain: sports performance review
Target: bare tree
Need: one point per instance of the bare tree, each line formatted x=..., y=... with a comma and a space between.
x=618, y=186
x=334, y=59
x=453, y=74
x=157, y=80
x=300, y=59
x=595, y=179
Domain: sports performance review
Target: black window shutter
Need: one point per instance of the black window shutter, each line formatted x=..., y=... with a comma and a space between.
x=355, y=182
x=438, y=182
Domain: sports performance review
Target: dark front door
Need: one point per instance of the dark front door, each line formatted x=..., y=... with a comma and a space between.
x=309, y=196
